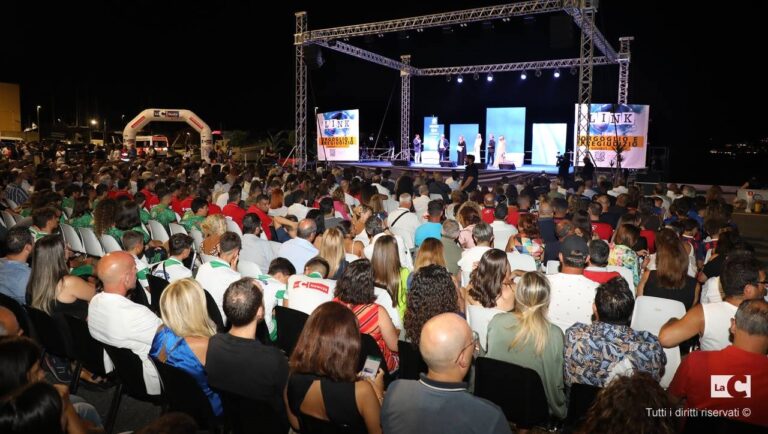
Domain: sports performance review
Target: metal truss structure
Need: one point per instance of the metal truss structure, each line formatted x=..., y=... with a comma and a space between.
x=624, y=59
x=582, y=12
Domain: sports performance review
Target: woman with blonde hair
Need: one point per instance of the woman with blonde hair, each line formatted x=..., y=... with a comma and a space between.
x=377, y=204
x=182, y=342
x=526, y=338
x=332, y=250
x=430, y=253
x=213, y=228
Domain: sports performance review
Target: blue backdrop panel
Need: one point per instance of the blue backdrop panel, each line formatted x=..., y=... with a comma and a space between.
x=548, y=140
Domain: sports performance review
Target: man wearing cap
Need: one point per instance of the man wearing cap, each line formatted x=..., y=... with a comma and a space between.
x=572, y=294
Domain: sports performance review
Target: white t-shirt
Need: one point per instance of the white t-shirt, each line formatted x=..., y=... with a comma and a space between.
x=404, y=226
x=571, y=299
x=403, y=252
x=306, y=293
x=384, y=299
x=172, y=270
x=274, y=293
x=298, y=210
x=469, y=260
x=215, y=277
x=114, y=320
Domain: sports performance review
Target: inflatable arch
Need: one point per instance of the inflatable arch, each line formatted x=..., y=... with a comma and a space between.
x=169, y=115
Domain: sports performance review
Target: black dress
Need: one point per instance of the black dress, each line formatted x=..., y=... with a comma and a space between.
x=338, y=399
x=684, y=295
x=77, y=309
x=462, y=153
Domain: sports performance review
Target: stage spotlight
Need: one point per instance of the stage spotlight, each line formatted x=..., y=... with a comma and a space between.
x=489, y=77
x=460, y=79
x=538, y=73
x=523, y=75
x=475, y=76
x=448, y=78
x=557, y=73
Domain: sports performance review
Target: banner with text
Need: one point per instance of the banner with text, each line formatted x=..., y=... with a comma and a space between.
x=338, y=135
x=614, y=127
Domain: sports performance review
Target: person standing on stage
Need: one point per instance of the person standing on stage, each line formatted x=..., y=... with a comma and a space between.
x=478, y=148
x=417, y=149
x=589, y=167
x=491, y=158
x=462, y=151
x=445, y=148
x=471, y=175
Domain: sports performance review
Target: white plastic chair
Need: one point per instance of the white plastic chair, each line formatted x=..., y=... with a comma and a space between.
x=178, y=217
x=248, y=269
x=72, y=238
x=67, y=211
x=478, y=318
x=12, y=204
x=110, y=244
x=92, y=245
x=157, y=231
x=553, y=267
x=233, y=227
x=649, y=315
x=177, y=229
x=8, y=219
x=198, y=237
x=521, y=262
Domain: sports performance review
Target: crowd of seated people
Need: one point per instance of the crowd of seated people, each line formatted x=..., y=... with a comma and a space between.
x=545, y=274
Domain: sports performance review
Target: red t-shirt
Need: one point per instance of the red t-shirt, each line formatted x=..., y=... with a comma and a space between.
x=184, y=205
x=603, y=230
x=234, y=211
x=600, y=276
x=266, y=220
x=650, y=238
x=152, y=200
x=514, y=215
x=176, y=205
x=115, y=194
x=487, y=215
x=213, y=209
x=694, y=382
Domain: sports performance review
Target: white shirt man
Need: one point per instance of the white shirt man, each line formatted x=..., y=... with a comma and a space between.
x=299, y=210
x=572, y=294
x=469, y=260
x=502, y=232
x=216, y=276
x=255, y=249
x=117, y=321
x=172, y=270
x=403, y=222
x=299, y=250
x=306, y=293
x=421, y=203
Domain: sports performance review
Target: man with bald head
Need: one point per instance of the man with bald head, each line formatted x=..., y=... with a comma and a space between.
x=9, y=326
x=299, y=250
x=117, y=321
x=439, y=402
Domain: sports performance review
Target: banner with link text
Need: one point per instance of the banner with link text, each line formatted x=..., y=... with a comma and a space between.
x=613, y=127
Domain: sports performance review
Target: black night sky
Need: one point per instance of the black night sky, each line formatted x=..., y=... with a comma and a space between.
x=232, y=63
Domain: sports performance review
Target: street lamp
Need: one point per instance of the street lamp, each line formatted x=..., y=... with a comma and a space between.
x=39, y=136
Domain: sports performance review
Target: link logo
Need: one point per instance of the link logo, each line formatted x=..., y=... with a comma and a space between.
x=730, y=386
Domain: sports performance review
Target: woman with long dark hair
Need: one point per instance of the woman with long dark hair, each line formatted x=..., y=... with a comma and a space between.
x=323, y=382
x=389, y=274
x=52, y=288
x=490, y=291
x=355, y=290
x=432, y=293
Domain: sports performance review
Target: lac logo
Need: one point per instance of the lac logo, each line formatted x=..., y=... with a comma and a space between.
x=730, y=386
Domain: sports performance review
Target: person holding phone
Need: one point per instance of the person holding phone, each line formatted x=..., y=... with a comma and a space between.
x=323, y=380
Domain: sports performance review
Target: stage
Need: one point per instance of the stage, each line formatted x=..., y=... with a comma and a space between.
x=487, y=176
